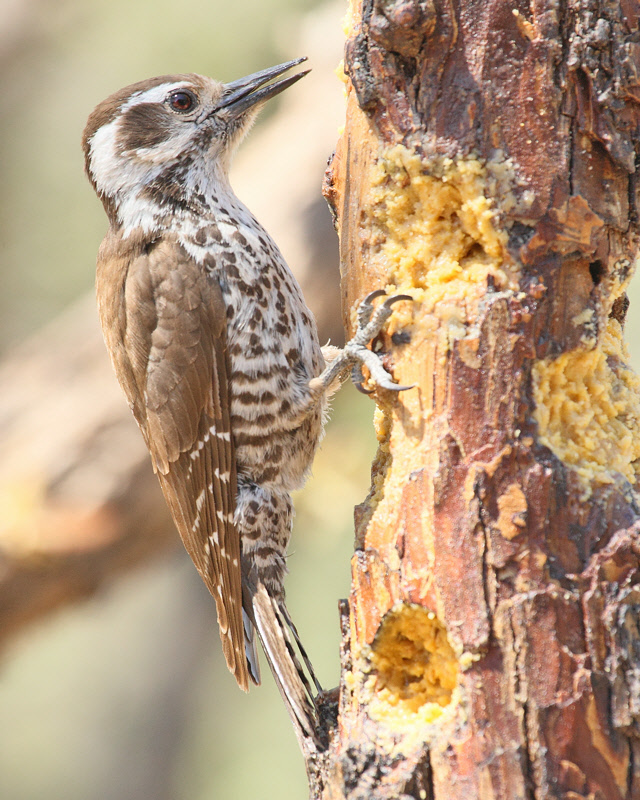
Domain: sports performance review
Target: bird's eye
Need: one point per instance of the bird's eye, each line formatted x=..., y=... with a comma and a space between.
x=182, y=101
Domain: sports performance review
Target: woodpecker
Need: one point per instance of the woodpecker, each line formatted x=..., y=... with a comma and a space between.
x=215, y=348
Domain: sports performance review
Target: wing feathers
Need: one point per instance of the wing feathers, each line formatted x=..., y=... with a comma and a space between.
x=171, y=359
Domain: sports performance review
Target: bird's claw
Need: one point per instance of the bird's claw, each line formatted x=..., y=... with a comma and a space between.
x=366, y=307
x=396, y=387
x=378, y=373
x=370, y=322
x=395, y=298
x=372, y=318
x=358, y=379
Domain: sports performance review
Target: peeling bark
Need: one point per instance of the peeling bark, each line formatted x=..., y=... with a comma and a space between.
x=487, y=168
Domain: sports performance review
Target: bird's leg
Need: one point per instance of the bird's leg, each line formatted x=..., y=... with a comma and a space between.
x=353, y=356
x=356, y=354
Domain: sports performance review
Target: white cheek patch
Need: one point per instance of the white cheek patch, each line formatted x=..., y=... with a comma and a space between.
x=168, y=150
x=105, y=163
x=116, y=175
x=121, y=178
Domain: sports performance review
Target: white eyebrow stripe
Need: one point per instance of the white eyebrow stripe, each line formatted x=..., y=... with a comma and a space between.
x=154, y=95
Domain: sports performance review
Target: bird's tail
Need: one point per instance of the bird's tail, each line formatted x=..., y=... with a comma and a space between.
x=250, y=648
x=279, y=639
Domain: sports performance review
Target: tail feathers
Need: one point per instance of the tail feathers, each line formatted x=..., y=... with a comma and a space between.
x=250, y=648
x=293, y=631
x=290, y=678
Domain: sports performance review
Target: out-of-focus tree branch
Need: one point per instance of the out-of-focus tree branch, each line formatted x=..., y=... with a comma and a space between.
x=79, y=500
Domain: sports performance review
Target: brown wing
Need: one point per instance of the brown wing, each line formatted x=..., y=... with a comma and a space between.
x=166, y=331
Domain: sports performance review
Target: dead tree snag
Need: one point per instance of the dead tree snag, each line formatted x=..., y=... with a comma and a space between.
x=488, y=168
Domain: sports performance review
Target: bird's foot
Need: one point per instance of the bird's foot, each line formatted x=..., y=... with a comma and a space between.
x=356, y=354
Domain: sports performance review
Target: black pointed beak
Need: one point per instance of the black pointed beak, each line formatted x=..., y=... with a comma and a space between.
x=240, y=95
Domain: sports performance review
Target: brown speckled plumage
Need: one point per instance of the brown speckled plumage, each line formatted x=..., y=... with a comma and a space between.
x=214, y=347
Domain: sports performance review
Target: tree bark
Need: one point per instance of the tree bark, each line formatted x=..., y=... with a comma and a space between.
x=487, y=168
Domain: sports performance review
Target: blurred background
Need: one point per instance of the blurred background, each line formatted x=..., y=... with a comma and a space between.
x=125, y=695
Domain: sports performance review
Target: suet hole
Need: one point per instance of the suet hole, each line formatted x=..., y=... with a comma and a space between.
x=597, y=270
x=412, y=659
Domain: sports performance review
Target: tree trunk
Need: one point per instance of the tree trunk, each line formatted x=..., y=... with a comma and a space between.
x=487, y=168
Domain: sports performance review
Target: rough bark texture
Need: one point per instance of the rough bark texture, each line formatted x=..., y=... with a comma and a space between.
x=488, y=168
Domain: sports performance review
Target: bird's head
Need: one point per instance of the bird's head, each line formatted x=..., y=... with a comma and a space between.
x=172, y=135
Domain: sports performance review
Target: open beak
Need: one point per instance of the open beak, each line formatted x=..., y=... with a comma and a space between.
x=246, y=92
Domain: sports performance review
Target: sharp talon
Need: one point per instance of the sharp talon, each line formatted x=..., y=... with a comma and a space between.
x=366, y=307
x=395, y=299
x=372, y=296
x=356, y=351
x=371, y=320
x=357, y=378
x=397, y=388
